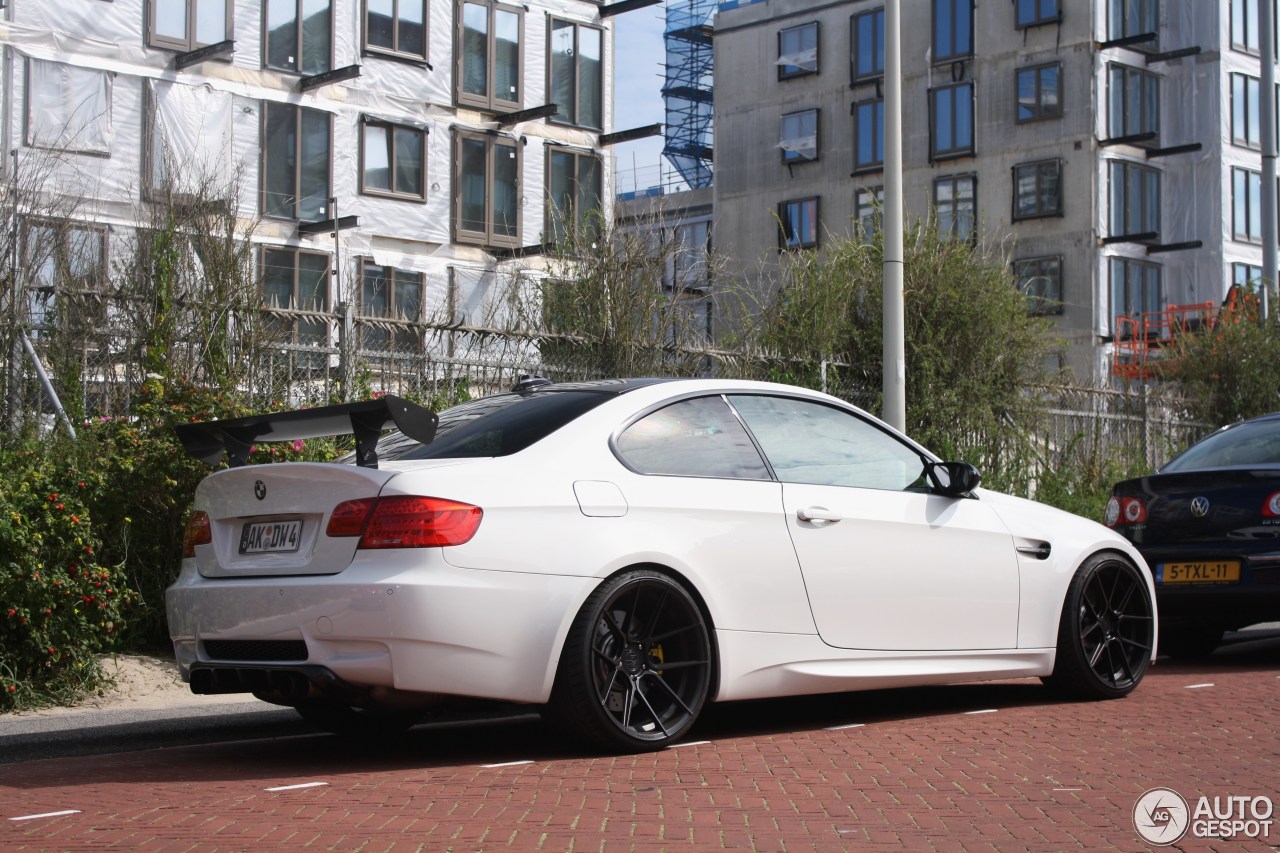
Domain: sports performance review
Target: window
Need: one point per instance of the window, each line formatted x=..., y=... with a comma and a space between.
x=1129, y=18
x=867, y=39
x=188, y=138
x=295, y=162
x=1246, y=116
x=68, y=108
x=299, y=35
x=799, y=137
x=389, y=294
x=799, y=220
x=840, y=448
x=951, y=121
x=868, y=205
x=1246, y=205
x=1037, y=189
x=955, y=205
x=65, y=261
x=1244, y=25
x=1246, y=275
x=1039, y=92
x=1135, y=287
x=487, y=190
x=1135, y=199
x=393, y=160
x=868, y=135
x=689, y=262
x=1134, y=101
x=692, y=438
x=396, y=26
x=952, y=29
x=1032, y=12
x=1040, y=280
x=296, y=281
x=489, y=58
x=188, y=24
x=574, y=190
x=577, y=80
x=798, y=51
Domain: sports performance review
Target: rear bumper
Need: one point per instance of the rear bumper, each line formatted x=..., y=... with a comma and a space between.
x=401, y=620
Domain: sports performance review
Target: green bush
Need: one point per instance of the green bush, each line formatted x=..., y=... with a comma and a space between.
x=61, y=601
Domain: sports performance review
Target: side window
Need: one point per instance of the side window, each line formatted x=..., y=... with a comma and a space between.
x=808, y=442
x=692, y=438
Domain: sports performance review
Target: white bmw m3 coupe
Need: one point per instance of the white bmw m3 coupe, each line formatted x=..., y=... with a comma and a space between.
x=619, y=553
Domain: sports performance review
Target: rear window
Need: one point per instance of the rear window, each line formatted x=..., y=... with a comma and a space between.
x=494, y=426
x=1255, y=443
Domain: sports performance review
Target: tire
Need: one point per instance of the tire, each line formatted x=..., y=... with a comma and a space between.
x=1190, y=641
x=363, y=723
x=636, y=667
x=1106, y=631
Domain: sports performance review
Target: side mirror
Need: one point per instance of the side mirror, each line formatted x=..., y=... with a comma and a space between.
x=952, y=479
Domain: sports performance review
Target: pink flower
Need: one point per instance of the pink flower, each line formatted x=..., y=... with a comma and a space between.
x=298, y=444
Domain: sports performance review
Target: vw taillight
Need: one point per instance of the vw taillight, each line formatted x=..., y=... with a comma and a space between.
x=199, y=532
x=1121, y=510
x=405, y=521
x=1271, y=506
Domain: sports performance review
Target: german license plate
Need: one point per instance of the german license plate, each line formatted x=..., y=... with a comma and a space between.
x=1212, y=571
x=265, y=537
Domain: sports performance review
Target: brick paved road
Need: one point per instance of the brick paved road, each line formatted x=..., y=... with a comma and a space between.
x=995, y=767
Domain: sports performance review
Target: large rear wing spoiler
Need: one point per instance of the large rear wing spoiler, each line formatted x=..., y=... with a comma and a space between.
x=208, y=440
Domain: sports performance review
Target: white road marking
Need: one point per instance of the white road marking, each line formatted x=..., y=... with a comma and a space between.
x=845, y=726
x=46, y=814
x=298, y=787
x=1198, y=686
x=984, y=711
x=508, y=763
x=688, y=743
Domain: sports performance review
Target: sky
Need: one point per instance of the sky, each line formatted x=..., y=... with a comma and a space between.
x=637, y=95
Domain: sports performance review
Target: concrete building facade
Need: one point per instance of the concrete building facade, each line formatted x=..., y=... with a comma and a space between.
x=1113, y=144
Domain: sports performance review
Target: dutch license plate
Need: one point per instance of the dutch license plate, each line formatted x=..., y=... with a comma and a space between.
x=265, y=537
x=1212, y=571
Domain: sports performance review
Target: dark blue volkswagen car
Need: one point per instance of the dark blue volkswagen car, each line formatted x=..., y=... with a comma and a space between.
x=1208, y=524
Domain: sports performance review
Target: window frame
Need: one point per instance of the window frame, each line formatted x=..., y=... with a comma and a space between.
x=191, y=41
x=578, y=217
x=1038, y=19
x=1248, y=269
x=1127, y=264
x=299, y=112
x=1147, y=123
x=1127, y=227
x=298, y=45
x=800, y=70
x=1249, y=32
x=59, y=254
x=1027, y=270
x=1126, y=28
x=791, y=157
x=955, y=209
x=490, y=236
x=1252, y=203
x=1043, y=169
x=420, y=195
x=575, y=119
x=294, y=313
x=1251, y=109
x=391, y=316
x=29, y=124
x=955, y=52
x=877, y=47
x=868, y=206
x=809, y=216
x=935, y=151
x=876, y=164
x=395, y=52
x=490, y=102
x=1039, y=112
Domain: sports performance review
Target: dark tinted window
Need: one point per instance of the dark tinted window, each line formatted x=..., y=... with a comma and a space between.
x=495, y=426
x=1248, y=444
x=692, y=438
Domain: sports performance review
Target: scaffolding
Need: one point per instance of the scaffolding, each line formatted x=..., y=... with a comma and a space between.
x=687, y=93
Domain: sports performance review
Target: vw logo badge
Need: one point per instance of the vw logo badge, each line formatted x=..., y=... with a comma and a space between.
x=1200, y=507
x=260, y=491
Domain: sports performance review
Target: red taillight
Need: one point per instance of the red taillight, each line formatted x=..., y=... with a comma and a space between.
x=405, y=521
x=1125, y=511
x=199, y=532
x=1271, y=506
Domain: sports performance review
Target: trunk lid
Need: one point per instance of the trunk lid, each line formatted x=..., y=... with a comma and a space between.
x=1228, y=505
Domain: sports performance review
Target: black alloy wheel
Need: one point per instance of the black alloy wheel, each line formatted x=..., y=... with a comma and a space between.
x=636, y=668
x=1106, y=632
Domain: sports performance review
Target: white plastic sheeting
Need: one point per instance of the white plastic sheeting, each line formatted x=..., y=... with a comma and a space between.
x=191, y=134
x=68, y=108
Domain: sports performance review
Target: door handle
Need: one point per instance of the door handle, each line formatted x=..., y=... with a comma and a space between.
x=818, y=515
